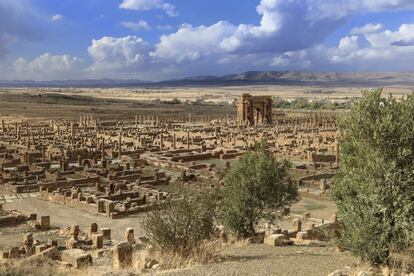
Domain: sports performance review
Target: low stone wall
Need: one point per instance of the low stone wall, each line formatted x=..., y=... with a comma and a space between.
x=317, y=177
x=112, y=206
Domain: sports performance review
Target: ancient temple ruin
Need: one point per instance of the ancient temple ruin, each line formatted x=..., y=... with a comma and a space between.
x=254, y=110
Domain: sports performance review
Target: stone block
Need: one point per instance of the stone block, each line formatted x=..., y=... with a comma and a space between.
x=74, y=231
x=110, y=207
x=71, y=243
x=275, y=240
x=97, y=241
x=257, y=238
x=106, y=233
x=122, y=256
x=101, y=206
x=297, y=225
x=4, y=255
x=45, y=222
x=78, y=258
x=94, y=228
x=129, y=236
x=32, y=217
x=28, y=240
x=302, y=235
x=14, y=253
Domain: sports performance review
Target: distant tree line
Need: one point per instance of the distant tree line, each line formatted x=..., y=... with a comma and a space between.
x=302, y=103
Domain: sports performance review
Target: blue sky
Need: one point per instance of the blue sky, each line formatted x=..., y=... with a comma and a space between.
x=162, y=39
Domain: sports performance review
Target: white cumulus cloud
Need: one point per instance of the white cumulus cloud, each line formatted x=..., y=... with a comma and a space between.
x=48, y=65
x=169, y=9
x=191, y=43
x=112, y=52
x=136, y=27
x=57, y=17
x=369, y=28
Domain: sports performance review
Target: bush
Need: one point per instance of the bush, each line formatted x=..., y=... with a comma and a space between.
x=182, y=225
x=172, y=102
x=374, y=190
x=256, y=187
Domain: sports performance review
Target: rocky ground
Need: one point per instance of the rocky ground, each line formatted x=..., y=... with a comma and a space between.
x=250, y=259
x=267, y=260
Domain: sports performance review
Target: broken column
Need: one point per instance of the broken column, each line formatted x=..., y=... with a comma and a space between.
x=97, y=241
x=297, y=225
x=93, y=229
x=122, y=256
x=106, y=233
x=129, y=236
x=45, y=222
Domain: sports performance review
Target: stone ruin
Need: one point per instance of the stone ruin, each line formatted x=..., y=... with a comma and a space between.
x=254, y=110
x=116, y=168
x=86, y=247
x=120, y=168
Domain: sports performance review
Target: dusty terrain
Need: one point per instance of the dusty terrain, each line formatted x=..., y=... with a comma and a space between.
x=209, y=94
x=267, y=260
x=41, y=104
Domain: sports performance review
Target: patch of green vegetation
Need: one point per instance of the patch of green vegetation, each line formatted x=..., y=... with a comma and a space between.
x=302, y=103
x=375, y=186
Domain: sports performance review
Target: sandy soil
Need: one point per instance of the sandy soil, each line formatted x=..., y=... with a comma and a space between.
x=268, y=260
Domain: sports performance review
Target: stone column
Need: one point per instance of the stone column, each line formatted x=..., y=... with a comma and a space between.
x=119, y=146
x=337, y=152
x=129, y=236
x=122, y=256
x=103, y=149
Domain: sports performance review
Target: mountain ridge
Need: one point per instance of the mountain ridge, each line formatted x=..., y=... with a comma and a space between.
x=293, y=78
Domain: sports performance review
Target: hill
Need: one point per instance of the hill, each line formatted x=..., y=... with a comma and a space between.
x=294, y=78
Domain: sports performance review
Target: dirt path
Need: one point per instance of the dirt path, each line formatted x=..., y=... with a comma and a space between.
x=267, y=260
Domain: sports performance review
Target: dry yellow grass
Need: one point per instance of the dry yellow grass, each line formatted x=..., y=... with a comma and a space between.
x=208, y=252
x=36, y=266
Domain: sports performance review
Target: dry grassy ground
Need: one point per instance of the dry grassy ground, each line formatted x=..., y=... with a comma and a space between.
x=235, y=260
x=212, y=94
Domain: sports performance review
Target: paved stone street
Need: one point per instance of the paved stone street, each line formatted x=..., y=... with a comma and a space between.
x=8, y=198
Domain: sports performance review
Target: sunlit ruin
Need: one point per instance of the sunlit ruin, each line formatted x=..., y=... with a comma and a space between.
x=165, y=137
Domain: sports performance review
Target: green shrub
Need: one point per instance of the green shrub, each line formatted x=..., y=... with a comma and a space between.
x=374, y=190
x=257, y=187
x=183, y=224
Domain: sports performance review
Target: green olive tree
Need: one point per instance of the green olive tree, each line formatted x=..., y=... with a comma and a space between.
x=374, y=190
x=256, y=187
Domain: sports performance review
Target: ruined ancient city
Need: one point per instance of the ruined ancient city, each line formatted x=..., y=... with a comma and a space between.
x=168, y=137
x=119, y=169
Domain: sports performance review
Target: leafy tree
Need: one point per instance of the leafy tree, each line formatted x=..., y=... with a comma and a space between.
x=374, y=190
x=181, y=225
x=257, y=187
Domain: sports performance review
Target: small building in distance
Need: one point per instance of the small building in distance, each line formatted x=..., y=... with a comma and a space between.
x=254, y=110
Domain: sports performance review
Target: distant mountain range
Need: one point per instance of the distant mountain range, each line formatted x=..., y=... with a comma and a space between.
x=366, y=79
